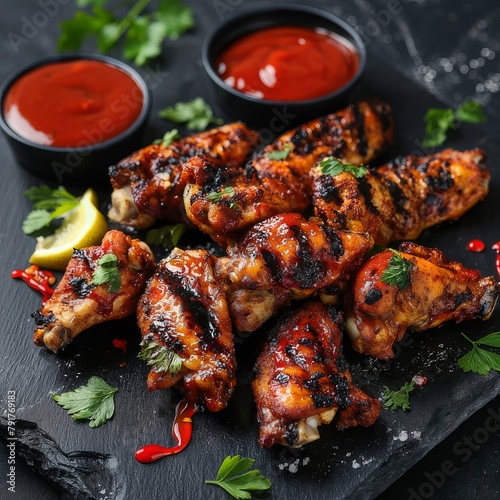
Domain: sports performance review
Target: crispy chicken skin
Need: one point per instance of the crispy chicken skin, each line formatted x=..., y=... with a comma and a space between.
x=399, y=200
x=184, y=310
x=440, y=290
x=284, y=258
x=77, y=304
x=148, y=185
x=302, y=380
x=356, y=134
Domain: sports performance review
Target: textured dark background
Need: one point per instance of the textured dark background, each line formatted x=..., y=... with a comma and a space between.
x=421, y=52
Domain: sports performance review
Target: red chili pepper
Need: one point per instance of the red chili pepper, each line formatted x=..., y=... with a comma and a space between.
x=37, y=279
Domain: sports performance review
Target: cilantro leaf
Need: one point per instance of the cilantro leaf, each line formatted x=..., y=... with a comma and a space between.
x=398, y=399
x=218, y=197
x=93, y=401
x=166, y=236
x=107, y=272
x=159, y=357
x=174, y=17
x=334, y=166
x=196, y=114
x=398, y=271
x=481, y=361
x=236, y=476
x=280, y=154
x=143, y=41
x=471, y=112
x=168, y=138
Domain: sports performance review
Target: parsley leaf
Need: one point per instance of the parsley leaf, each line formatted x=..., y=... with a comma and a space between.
x=196, y=114
x=398, y=399
x=334, y=166
x=93, y=401
x=479, y=360
x=161, y=358
x=238, y=479
x=280, y=154
x=168, y=138
x=397, y=271
x=107, y=272
x=440, y=120
x=217, y=197
x=166, y=236
x=143, y=32
x=49, y=204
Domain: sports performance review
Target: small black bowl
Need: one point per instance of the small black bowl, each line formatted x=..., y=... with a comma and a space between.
x=75, y=165
x=261, y=112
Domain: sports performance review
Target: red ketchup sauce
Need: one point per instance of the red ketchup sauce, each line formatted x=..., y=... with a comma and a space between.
x=181, y=431
x=496, y=247
x=476, y=246
x=72, y=103
x=288, y=63
x=37, y=279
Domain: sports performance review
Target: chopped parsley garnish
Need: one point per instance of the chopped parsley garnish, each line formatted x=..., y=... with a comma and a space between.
x=168, y=138
x=398, y=399
x=481, y=361
x=166, y=236
x=196, y=114
x=159, y=357
x=398, y=271
x=238, y=479
x=93, y=401
x=280, y=154
x=334, y=166
x=218, y=196
x=107, y=272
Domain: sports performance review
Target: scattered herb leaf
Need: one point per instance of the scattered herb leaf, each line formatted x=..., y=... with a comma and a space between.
x=196, y=114
x=166, y=236
x=143, y=32
x=438, y=121
x=398, y=271
x=398, y=399
x=49, y=204
x=161, y=358
x=107, y=272
x=238, y=479
x=334, y=166
x=93, y=401
x=218, y=196
x=280, y=154
x=479, y=360
x=168, y=138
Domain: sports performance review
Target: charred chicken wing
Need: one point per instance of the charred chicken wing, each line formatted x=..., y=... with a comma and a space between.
x=148, y=185
x=302, y=380
x=399, y=200
x=277, y=178
x=78, y=304
x=183, y=317
x=429, y=291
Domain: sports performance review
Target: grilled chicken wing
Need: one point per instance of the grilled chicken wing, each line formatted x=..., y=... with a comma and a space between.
x=148, y=185
x=78, y=304
x=440, y=290
x=289, y=257
x=302, y=380
x=183, y=312
x=399, y=200
x=357, y=134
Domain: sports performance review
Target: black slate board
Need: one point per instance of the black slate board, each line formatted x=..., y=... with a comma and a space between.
x=357, y=463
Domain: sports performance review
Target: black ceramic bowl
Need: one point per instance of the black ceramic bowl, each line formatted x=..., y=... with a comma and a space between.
x=262, y=112
x=88, y=163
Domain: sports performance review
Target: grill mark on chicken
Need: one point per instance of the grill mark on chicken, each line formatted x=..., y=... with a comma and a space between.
x=80, y=286
x=359, y=118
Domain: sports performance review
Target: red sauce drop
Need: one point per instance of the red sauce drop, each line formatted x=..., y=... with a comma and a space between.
x=496, y=247
x=288, y=63
x=181, y=431
x=72, y=103
x=37, y=279
x=120, y=344
x=476, y=246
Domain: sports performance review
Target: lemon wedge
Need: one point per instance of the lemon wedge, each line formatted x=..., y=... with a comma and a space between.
x=82, y=227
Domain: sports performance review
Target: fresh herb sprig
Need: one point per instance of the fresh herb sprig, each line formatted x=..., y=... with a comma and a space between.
x=168, y=138
x=166, y=236
x=280, y=154
x=218, y=196
x=49, y=204
x=398, y=399
x=398, y=271
x=159, y=357
x=93, y=402
x=238, y=479
x=107, y=272
x=333, y=166
x=142, y=32
x=481, y=361
x=196, y=114
x=438, y=121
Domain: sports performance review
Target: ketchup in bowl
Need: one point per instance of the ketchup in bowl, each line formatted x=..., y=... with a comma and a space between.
x=72, y=103
x=288, y=63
